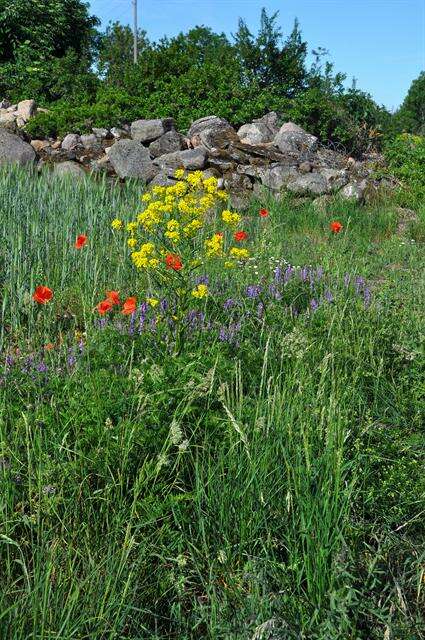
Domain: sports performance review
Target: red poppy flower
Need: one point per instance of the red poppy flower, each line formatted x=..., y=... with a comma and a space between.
x=335, y=226
x=113, y=297
x=240, y=235
x=104, y=306
x=42, y=294
x=80, y=241
x=129, y=306
x=49, y=346
x=263, y=213
x=173, y=262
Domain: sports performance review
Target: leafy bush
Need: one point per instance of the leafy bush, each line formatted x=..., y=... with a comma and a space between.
x=406, y=159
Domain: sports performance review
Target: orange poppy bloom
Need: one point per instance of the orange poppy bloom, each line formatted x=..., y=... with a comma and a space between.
x=104, y=306
x=240, y=235
x=129, y=306
x=263, y=213
x=335, y=226
x=113, y=297
x=173, y=261
x=49, y=346
x=42, y=294
x=80, y=241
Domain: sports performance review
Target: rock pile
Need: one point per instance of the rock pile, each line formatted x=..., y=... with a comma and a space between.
x=261, y=155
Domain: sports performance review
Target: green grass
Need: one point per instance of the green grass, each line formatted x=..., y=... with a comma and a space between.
x=272, y=488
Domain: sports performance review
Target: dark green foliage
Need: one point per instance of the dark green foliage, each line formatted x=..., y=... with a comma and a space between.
x=411, y=115
x=406, y=159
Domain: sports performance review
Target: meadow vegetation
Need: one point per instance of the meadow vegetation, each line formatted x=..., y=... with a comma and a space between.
x=242, y=463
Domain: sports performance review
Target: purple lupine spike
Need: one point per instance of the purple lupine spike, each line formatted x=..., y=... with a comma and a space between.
x=202, y=280
x=163, y=305
x=253, y=291
x=304, y=274
x=319, y=273
x=260, y=310
x=328, y=296
x=359, y=283
x=9, y=361
x=274, y=292
x=367, y=297
x=288, y=274
x=42, y=367
x=277, y=274
x=347, y=279
x=314, y=305
x=229, y=303
x=132, y=323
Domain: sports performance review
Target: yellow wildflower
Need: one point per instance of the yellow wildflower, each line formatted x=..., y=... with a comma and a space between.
x=229, y=265
x=117, y=223
x=179, y=173
x=152, y=301
x=146, y=197
x=131, y=226
x=214, y=246
x=239, y=254
x=230, y=217
x=132, y=242
x=200, y=291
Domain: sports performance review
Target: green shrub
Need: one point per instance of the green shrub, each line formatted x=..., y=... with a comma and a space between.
x=406, y=159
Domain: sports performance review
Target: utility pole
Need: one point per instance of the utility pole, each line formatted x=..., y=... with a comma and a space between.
x=135, y=46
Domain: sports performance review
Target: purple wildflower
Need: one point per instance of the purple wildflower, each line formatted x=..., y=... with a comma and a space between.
x=229, y=303
x=253, y=291
x=42, y=367
x=328, y=296
x=359, y=284
x=288, y=274
x=314, y=305
x=202, y=280
x=347, y=279
x=367, y=296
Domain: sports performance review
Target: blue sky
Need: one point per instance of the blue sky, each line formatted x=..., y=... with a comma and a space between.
x=380, y=42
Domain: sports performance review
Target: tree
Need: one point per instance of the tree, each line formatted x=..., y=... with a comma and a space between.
x=50, y=27
x=269, y=63
x=411, y=115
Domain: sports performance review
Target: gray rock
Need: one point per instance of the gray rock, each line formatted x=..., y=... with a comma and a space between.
x=277, y=176
x=130, y=159
x=167, y=143
x=68, y=169
x=189, y=159
x=291, y=127
x=162, y=179
x=149, y=130
x=20, y=122
x=337, y=178
x=4, y=104
x=255, y=133
x=118, y=133
x=305, y=167
x=309, y=184
x=13, y=150
x=100, y=133
x=211, y=132
x=39, y=145
x=71, y=142
x=295, y=142
x=26, y=109
x=8, y=121
x=91, y=142
x=271, y=120
x=354, y=191
x=237, y=182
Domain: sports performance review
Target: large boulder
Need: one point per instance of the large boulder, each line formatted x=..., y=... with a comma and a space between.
x=261, y=130
x=354, y=191
x=8, y=121
x=68, y=169
x=148, y=130
x=168, y=143
x=130, y=159
x=71, y=142
x=189, y=159
x=255, y=133
x=295, y=142
x=336, y=178
x=13, y=150
x=211, y=132
x=310, y=184
x=26, y=109
x=276, y=177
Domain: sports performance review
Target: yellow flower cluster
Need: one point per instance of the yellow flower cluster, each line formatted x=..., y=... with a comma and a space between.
x=214, y=246
x=200, y=291
x=164, y=233
x=230, y=217
x=145, y=257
